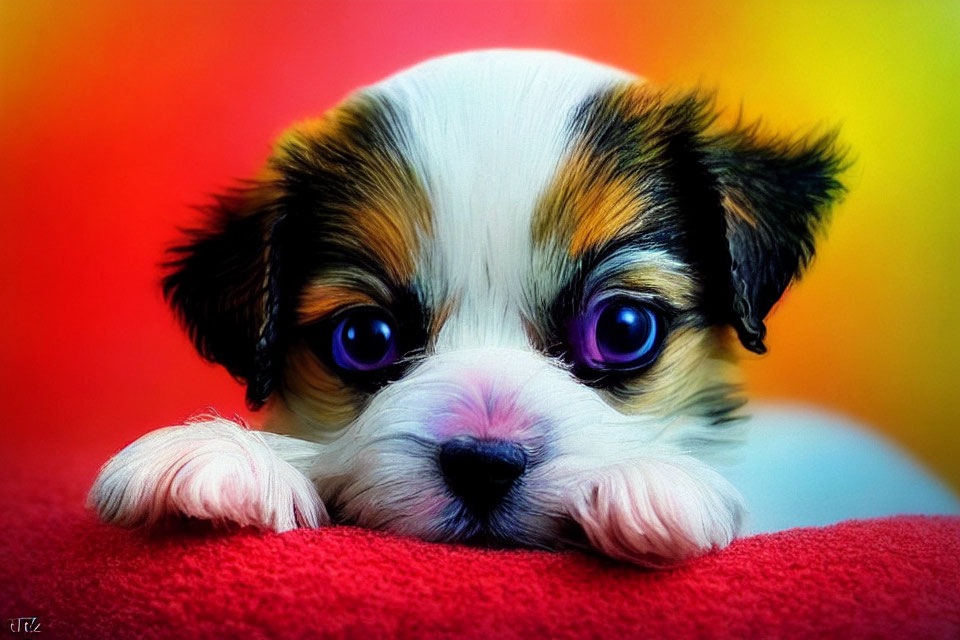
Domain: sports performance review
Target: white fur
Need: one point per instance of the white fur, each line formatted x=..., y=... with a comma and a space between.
x=488, y=130
x=598, y=467
x=212, y=469
x=657, y=512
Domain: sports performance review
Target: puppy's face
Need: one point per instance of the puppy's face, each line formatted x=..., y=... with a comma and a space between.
x=498, y=287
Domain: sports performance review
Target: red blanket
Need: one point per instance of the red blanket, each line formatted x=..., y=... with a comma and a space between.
x=892, y=578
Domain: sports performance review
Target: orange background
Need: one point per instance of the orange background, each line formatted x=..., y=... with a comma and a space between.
x=115, y=117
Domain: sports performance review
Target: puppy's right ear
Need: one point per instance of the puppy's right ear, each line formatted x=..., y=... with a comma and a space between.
x=224, y=284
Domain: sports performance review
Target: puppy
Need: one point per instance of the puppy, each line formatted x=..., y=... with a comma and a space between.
x=492, y=299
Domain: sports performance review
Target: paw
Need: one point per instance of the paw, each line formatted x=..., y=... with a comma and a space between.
x=212, y=469
x=658, y=513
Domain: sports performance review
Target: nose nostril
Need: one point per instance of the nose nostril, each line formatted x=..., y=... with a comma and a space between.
x=481, y=471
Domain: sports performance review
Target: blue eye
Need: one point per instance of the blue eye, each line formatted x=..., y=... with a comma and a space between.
x=364, y=340
x=618, y=334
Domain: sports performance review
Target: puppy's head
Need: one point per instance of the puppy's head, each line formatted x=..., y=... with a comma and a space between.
x=498, y=286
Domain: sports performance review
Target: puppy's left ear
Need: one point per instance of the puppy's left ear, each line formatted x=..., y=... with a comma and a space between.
x=225, y=285
x=776, y=194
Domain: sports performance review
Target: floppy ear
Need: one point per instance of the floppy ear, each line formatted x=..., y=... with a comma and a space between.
x=775, y=194
x=224, y=284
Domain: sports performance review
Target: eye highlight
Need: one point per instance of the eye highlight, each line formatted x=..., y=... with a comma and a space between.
x=365, y=339
x=618, y=333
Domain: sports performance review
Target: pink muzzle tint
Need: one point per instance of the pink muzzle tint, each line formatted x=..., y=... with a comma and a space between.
x=480, y=410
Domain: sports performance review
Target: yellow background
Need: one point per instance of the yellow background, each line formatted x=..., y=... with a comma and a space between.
x=870, y=332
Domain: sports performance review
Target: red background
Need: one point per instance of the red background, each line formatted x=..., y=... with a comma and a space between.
x=124, y=116
x=116, y=117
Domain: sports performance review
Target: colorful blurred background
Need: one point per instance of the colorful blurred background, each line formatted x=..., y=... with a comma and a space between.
x=116, y=117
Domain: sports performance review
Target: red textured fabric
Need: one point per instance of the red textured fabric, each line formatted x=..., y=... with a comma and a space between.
x=891, y=578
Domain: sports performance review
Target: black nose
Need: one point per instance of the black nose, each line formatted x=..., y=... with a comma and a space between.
x=481, y=471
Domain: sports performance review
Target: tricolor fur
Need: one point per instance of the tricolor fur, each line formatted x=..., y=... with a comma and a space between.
x=483, y=199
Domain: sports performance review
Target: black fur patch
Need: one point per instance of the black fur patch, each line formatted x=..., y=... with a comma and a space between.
x=235, y=282
x=742, y=210
x=225, y=286
x=777, y=193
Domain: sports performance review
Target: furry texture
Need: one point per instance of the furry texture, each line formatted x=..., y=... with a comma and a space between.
x=211, y=469
x=480, y=207
x=886, y=578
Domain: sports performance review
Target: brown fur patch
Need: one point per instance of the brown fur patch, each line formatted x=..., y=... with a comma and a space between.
x=591, y=201
x=387, y=214
x=438, y=319
x=321, y=300
x=314, y=391
x=689, y=378
x=733, y=207
x=676, y=287
x=613, y=185
x=587, y=205
x=364, y=215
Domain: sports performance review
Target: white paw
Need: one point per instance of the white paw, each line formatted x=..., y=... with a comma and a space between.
x=657, y=513
x=212, y=469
